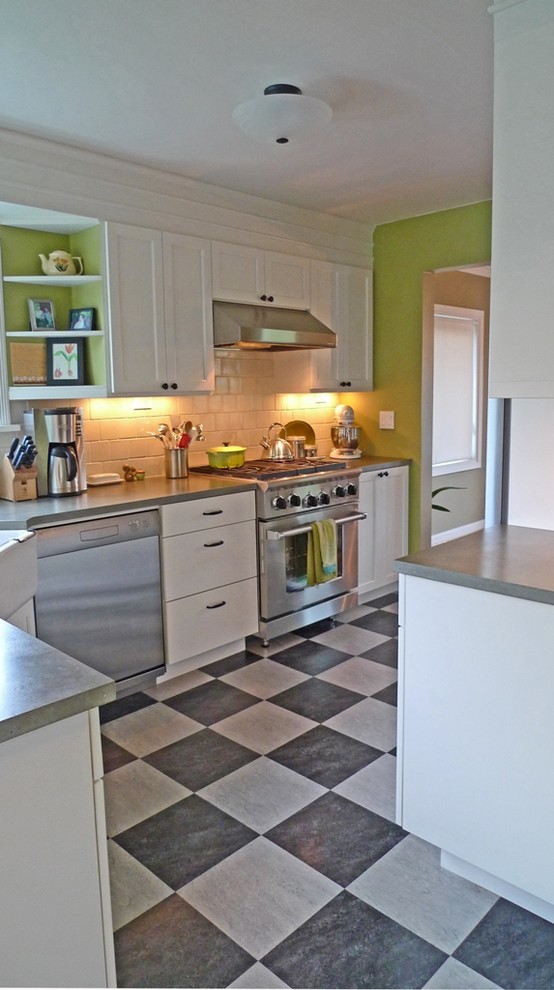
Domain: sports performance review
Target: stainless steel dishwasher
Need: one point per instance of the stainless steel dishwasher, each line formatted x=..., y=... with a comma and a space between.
x=99, y=595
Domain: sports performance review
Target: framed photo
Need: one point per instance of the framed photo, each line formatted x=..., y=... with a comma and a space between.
x=65, y=361
x=41, y=314
x=82, y=319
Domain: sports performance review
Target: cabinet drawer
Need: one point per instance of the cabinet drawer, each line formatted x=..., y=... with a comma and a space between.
x=194, y=562
x=205, y=513
x=205, y=621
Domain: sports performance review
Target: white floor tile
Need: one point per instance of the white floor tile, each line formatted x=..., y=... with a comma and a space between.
x=370, y=721
x=374, y=787
x=360, y=674
x=176, y=685
x=263, y=727
x=264, y=678
x=350, y=639
x=149, y=729
x=262, y=794
x=409, y=885
x=254, y=644
x=259, y=895
x=453, y=975
x=135, y=792
x=258, y=976
x=133, y=888
x=357, y=612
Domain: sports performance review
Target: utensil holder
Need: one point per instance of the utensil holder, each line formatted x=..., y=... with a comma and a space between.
x=177, y=463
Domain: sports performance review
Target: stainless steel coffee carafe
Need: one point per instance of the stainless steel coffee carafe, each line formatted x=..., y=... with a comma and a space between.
x=59, y=440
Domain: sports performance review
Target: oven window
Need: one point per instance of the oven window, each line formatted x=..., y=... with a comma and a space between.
x=296, y=562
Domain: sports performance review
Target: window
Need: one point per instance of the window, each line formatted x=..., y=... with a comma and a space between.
x=457, y=389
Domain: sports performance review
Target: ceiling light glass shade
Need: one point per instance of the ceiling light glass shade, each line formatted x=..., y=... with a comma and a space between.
x=281, y=115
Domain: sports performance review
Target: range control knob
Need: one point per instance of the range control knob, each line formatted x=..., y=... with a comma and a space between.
x=338, y=491
x=323, y=498
x=309, y=501
x=294, y=500
x=279, y=502
x=351, y=488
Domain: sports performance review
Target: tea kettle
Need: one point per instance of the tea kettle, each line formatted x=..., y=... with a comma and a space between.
x=60, y=263
x=277, y=448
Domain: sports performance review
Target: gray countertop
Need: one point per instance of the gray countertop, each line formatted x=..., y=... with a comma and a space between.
x=40, y=685
x=136, y=495
x=508, y=560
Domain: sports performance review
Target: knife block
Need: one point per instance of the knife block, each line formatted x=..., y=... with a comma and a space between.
x=17, y=486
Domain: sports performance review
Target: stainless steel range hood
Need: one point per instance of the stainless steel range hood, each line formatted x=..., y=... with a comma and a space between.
x=268, y=328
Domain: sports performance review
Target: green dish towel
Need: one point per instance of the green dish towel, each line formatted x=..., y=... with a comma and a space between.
x=322, y=552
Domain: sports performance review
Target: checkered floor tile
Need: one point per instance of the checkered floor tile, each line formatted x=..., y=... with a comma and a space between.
x=252, y=842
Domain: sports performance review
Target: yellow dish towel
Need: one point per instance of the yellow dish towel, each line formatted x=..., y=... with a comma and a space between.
x=322, y=552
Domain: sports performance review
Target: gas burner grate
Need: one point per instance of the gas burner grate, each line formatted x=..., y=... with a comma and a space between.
x=268, y=470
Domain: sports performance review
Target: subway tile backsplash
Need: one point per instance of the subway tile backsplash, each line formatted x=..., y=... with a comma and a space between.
x=242, y=407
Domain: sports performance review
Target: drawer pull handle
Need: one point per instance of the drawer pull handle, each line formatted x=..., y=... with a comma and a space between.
x=216, y=543
x=213, y=512
x=217, y=605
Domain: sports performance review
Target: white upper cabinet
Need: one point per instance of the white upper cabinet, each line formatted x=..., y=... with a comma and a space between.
x=159, y=290
x=342, y=299
x=522, y=313
x=247, y=275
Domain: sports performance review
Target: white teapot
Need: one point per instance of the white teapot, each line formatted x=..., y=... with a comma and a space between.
x=60, y=263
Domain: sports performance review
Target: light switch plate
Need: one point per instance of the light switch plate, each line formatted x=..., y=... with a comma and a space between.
x=386, y=420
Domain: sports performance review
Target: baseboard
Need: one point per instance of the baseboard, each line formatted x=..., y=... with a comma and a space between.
x=454, y=534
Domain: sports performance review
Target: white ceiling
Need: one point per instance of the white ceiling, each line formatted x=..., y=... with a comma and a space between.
x=155, y=81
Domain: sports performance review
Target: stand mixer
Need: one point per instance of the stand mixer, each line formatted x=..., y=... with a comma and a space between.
x=345, y=435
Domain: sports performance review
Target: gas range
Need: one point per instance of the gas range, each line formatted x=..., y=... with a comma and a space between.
x=289, y=487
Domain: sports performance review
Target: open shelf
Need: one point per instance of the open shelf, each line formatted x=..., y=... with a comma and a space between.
x=57, y=392
x=36, y=334
x=62, y=280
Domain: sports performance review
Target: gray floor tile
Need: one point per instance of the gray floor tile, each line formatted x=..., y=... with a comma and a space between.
x=372, y=722
x=354, y=613
x=184, y=840
x=511, y=947
x=171, y=945
x=374, y=787
x=262, y=794
x=324, y=756
x=316, y=699
x=349, y=944
x=200, y=759
x=310, y=657
x=263, y=727
x=259, y=895
x=209, y=703
x=409, y=885
x=137, y=791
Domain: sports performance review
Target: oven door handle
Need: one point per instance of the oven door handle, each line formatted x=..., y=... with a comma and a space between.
x=274, y=534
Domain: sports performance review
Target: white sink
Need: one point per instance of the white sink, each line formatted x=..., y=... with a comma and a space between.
x=18, y=570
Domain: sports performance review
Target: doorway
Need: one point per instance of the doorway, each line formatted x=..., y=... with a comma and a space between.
x=473, y=498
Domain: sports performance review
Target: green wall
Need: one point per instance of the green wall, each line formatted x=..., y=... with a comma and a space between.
x=403, y=251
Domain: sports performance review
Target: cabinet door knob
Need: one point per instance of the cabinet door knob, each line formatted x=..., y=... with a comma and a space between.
x=345, y=384
x=165, y=385
x=263, y=298
x=174, y=385
x=270, y=299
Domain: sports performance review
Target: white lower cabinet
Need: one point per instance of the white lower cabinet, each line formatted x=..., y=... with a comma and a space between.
x=209, y=568
x=56, y=924
x=474, y=753
x=383, y=534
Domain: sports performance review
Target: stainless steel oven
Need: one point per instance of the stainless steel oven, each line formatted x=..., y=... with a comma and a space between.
x=287, y=599
x=291, y=496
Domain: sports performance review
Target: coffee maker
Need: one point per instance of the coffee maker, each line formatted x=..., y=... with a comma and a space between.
x=59, y=440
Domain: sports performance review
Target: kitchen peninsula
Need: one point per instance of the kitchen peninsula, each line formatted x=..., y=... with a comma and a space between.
x=475, y=733
x=56, y=915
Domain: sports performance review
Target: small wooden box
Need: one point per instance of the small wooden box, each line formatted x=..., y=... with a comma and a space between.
x=17, y=486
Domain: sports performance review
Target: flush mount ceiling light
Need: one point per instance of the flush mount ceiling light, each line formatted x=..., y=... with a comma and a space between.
x=281, y=115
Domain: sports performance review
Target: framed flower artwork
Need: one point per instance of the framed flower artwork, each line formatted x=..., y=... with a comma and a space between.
x=65, y=361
